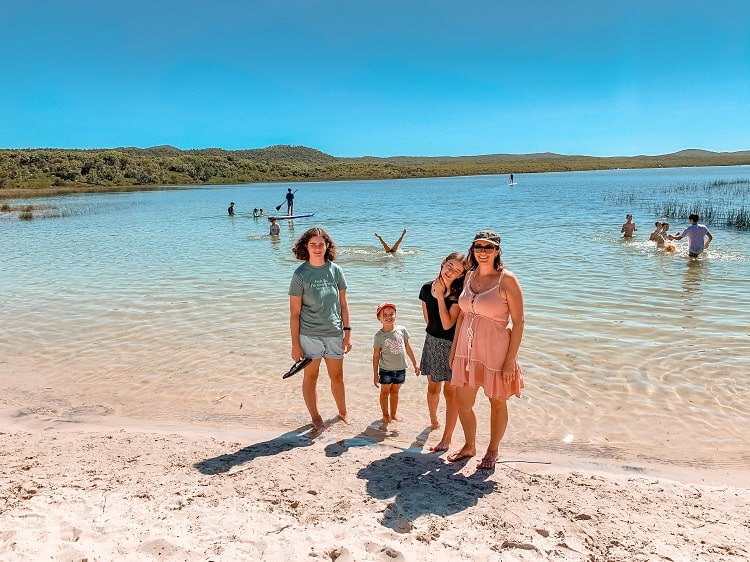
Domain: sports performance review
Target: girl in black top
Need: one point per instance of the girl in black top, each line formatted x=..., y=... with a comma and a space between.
x=440, y=308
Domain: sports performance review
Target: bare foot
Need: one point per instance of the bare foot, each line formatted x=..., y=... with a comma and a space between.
x=345, y=418
x=461, y=454
x=318, y=427
x=386, y=419
x=488, y=461
x=442, y=446
x=434, y=424
x=396, y=417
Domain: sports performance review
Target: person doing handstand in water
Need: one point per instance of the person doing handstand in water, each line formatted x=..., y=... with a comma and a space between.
x=386, y=247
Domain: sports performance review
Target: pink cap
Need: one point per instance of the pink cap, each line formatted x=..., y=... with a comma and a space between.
x=383, y=305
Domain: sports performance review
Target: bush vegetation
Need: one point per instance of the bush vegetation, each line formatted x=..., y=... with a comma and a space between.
x=36, y=172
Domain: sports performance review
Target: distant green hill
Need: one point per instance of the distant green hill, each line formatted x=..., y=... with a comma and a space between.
x=48, y=171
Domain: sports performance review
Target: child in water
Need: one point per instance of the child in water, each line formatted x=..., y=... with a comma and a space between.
x=628, y=227
x=274, y=230
x=390, y=350
x=657, y=235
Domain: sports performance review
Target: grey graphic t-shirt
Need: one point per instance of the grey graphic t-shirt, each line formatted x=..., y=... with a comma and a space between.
x=319, y=288
x=392, y=348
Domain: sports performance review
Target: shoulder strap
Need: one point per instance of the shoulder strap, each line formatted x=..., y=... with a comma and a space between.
x=500, y=279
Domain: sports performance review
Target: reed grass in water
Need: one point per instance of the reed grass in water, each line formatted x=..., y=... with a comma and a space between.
x=29, y=212
x=718, y=202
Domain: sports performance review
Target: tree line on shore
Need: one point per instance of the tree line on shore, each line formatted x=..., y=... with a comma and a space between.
x=42, y=171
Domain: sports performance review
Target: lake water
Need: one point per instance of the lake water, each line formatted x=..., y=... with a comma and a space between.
x=159, y=307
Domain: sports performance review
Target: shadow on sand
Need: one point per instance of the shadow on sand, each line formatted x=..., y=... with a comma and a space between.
x=372, y=435
x=422, y=484
x=299, y=437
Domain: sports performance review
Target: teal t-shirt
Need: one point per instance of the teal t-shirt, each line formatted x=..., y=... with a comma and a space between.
x=392, y=348
x=319, y=288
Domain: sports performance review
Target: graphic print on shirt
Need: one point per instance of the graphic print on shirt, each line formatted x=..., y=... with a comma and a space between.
x=395, y=345
x=321, y=284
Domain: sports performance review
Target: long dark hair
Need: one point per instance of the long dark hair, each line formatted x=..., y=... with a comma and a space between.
x=300, y=246
x=458, y=283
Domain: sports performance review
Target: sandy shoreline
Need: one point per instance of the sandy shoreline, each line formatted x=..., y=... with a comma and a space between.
x=85, y=491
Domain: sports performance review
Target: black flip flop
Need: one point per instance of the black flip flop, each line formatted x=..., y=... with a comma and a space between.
x=296, y=368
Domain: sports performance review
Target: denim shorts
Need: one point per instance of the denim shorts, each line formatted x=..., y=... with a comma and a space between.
x=316, y=347
x=391, y=377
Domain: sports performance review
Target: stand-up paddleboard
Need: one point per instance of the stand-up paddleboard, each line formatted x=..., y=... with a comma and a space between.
x=285, y=217
x=512, y=183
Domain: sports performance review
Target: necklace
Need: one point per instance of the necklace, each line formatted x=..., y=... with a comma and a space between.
x=479, y=283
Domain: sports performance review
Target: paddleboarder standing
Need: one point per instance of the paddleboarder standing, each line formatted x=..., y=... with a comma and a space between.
x=289, y=202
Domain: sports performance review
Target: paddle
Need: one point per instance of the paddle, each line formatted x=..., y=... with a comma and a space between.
x=284, y=201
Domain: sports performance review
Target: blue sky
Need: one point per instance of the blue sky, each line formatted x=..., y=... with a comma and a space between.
x=380, y=78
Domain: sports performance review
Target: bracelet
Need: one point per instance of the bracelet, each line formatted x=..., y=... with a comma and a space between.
x=348, y=328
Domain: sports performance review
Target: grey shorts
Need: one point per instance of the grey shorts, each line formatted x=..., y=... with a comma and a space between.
x=316, y=347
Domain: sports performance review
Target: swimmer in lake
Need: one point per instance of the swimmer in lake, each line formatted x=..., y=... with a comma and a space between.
x=386, y=247
x=658, y=235
x=274, y=230
x=628, y=228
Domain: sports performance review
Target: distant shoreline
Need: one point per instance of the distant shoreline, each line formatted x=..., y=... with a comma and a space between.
x=42, y=172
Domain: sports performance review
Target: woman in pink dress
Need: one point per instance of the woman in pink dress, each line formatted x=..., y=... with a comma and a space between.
x=485, y=348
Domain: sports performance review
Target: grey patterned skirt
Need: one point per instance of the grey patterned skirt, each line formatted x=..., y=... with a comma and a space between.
x=434, y=361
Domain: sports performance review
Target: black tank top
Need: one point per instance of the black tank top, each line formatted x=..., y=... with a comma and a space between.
x=434, y=325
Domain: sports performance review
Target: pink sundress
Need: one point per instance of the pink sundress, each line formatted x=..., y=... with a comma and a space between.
x=482, y=344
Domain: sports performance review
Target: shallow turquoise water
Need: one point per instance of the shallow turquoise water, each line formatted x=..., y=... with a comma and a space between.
x=158, y=306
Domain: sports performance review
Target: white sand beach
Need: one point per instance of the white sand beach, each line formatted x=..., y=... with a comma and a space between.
x=75, y=490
